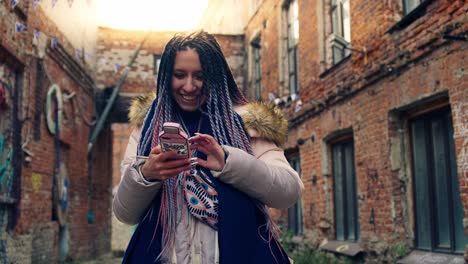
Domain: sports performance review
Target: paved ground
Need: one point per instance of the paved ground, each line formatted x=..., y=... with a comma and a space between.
x=106, y=259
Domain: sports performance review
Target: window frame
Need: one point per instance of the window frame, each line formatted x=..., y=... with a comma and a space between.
x=342, y=142
x=337, y=36
x=405, y=7
x=410, y=17
x=156, y=63
x=256, y=67
x=298, y=227
x=291, y=67
x=437, y=113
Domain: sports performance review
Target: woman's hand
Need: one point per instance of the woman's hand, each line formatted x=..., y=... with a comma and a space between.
x=163, y=165
x=213, y=151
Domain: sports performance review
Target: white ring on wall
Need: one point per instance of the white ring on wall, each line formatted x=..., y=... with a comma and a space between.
x=54, y=91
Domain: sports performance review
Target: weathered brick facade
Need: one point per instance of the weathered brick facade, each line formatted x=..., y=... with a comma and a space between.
x=29, y=232
x=391, y=74
x=399, y=67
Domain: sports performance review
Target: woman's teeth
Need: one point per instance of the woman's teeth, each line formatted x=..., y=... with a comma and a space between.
x=189, y=97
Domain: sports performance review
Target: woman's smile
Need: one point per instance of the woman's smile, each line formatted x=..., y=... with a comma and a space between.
x=189, y=98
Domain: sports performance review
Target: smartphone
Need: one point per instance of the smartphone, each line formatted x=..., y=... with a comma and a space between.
x=173, y=137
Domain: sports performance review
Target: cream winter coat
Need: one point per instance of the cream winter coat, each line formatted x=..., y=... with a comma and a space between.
x=266, y=176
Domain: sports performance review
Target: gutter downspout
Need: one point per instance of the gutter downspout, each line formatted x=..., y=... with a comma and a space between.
x=113, y=97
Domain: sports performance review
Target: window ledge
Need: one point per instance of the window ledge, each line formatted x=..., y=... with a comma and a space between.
x=410, y=17
x=334, y=66
x=347, y=248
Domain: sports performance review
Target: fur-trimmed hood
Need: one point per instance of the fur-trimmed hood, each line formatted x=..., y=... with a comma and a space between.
x=138, y=109
x=260, y=119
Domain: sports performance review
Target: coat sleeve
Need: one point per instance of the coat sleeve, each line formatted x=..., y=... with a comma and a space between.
x=134, y=194
x=267, y=176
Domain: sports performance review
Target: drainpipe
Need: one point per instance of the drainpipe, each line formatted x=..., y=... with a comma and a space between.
x=113, y=97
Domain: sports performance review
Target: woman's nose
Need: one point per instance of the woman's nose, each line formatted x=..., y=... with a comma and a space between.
x=189, y=85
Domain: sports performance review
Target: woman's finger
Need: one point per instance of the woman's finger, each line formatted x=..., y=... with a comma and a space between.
x=156, y=150
x=167, y=155
x=202, y=162
x=171, y=164
x=202, y=149
x=169, y=173
x=209, y=139
x=200, y=138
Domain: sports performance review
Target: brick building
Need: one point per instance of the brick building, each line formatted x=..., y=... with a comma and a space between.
x=45, y=217
x=376, y=95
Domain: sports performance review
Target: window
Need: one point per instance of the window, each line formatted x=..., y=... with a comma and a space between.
x=340, y=39
x=410, y=5
x=345, y=196
x=412, y=10
x=295, y=212
x=156, y=63
x=256, y=69
x=437, y=203
x=291, y=40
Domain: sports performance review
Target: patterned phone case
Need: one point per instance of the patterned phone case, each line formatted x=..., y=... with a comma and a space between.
x=172, y=137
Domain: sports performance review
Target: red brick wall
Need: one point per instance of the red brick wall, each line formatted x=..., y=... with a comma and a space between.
x=362, y=94
x=35, y=236
x=120, y=135
x=117, y=46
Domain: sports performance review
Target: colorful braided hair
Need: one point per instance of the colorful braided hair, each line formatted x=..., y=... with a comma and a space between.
x=221, y=94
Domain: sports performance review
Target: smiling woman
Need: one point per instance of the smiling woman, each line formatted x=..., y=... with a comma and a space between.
x=157, y=15
x=188, y=209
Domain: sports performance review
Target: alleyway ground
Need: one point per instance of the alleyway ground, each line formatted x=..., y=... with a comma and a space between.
x=105, y=259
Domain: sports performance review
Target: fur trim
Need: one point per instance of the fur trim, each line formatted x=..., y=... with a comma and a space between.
x=266, y=121
x=139, y=107
x=260, y=119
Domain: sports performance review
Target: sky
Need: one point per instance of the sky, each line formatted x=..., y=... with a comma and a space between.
x=157, y=15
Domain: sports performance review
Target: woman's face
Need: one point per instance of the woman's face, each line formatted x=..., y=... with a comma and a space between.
x=187, y=80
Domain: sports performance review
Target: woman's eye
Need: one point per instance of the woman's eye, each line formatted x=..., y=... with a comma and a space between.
x=179, y=75
x=198, y=77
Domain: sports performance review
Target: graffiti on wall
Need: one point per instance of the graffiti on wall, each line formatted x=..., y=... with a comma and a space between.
x=36, y=182
x=7, y=81
x=6, y=168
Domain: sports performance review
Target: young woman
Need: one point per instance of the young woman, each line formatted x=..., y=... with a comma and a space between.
x=211, y=208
